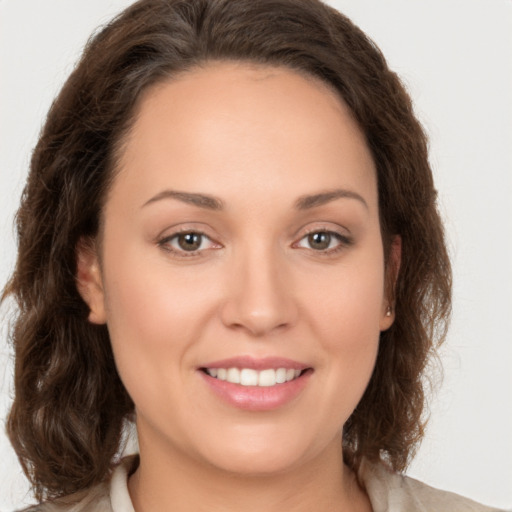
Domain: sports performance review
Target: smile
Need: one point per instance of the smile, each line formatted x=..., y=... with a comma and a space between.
x=250, y=377
x=256, y=384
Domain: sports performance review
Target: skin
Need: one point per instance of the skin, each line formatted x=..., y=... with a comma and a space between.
x=258, y=139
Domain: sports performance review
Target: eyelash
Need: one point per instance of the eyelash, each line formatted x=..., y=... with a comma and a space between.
x=164, y=243
x=344, y=241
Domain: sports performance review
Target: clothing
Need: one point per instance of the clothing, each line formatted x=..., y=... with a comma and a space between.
x=388, y=492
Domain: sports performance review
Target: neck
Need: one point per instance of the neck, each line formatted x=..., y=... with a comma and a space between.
x=168, y=479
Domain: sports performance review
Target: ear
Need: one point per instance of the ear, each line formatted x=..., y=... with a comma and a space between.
x=392, y=269
x=89, y=281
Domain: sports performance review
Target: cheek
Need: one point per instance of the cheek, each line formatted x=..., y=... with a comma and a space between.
x=150, y=317
x=344, y=315
x=347, y=304
x=157, y=312
x=349, y=332
x=149, y=302
x=152, y=326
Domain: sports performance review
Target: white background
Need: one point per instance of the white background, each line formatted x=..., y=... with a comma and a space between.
x=455, y=57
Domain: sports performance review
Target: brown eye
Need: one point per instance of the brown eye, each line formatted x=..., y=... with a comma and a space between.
x=324, y=242
x=189, y=241
x=320, y=240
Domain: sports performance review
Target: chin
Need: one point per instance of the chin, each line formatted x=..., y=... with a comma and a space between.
x=259, y=464
x=258, y=455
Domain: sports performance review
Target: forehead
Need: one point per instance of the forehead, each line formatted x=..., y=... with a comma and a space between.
x=258, y=125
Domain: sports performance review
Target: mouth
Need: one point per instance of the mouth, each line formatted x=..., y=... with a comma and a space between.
x=255, y=384
x=250, y=377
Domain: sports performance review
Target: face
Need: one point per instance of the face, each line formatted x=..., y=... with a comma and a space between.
x=242, y=269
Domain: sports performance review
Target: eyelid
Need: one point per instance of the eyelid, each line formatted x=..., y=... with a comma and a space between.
x=345, y=240
x=324, y=227
x=163, y=241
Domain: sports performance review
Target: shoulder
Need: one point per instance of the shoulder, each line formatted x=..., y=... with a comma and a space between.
x=393, y=492
x=96, y=499
x=109, y=496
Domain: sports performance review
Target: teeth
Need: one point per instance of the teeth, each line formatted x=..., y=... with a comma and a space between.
x=267, y=378
x=250, y=377
x=280, y=375
x=233, y=375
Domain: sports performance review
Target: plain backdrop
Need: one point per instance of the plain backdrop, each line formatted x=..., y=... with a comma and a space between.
x=455, y=57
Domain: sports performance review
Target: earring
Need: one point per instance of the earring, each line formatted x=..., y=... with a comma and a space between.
x=388, y=311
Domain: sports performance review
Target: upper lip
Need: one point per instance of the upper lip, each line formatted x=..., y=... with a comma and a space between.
x=257, y=363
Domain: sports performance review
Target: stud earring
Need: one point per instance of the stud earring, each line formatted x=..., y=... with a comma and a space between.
x=388, y=311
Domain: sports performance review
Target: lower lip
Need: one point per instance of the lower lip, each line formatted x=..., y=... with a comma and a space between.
x=257, y=398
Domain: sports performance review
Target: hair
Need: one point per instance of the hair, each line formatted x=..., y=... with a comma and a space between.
x=67, y=417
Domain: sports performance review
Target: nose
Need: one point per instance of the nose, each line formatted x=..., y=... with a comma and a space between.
x=259, y=297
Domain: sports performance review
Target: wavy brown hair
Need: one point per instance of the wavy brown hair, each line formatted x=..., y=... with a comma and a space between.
x=67, y=417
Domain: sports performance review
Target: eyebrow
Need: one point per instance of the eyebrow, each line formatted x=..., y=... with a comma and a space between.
x=315, y=200
x=208, y=202
x=200, y=200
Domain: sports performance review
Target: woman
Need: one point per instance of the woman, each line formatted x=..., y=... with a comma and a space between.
x=230, y=230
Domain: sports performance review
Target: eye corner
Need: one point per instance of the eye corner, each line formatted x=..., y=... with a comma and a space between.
x=333, y=241
x=171, y=243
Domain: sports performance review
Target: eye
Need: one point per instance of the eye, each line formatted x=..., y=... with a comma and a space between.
x=187, y=242
x=324, y=241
